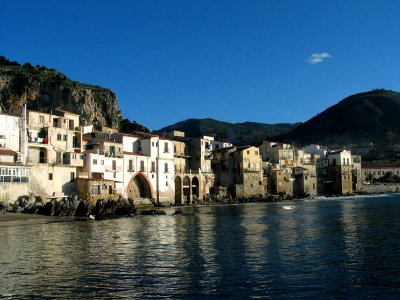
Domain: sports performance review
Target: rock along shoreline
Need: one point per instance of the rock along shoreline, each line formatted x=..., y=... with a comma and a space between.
x=107, y=208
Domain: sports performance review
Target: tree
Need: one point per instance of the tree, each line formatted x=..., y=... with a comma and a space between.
x=128, y=126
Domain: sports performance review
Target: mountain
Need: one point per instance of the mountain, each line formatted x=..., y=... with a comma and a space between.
x=247, y=133
x=361, y=118
x=47, y=89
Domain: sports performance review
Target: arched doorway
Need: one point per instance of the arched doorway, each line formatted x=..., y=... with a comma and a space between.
x=196, y=187
x=178, y=190
x=139, y=187
x=186, y=189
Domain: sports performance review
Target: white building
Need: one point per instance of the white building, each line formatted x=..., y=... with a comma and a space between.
x=148, y=167
x=10, y=132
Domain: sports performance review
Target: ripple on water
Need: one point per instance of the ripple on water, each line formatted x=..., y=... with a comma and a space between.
x=323, y=249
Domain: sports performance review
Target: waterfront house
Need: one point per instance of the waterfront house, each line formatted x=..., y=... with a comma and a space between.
x=240, y=170
x=148, y=171
x=380, y=170
x=54, y=152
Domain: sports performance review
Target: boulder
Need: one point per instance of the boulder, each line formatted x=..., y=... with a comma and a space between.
x=84, y=208
x=66, y=207
x=48, y=209
x=124, y=207
x=104, y=207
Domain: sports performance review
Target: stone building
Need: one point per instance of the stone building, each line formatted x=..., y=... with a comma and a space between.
x=240, y=170
x=54, y=152
x=379, y=170
x=339, y=173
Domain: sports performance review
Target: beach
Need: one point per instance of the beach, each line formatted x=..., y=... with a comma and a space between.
x=8, y=217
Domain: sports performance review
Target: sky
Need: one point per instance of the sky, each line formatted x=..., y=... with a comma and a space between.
x=234, y=61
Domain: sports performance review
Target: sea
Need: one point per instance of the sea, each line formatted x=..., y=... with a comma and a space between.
x=340, y=248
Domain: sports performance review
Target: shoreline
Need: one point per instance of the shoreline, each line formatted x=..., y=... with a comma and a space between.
x=12, y=217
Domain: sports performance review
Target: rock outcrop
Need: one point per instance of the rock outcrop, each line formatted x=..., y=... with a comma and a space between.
x=72, y=207
x=46, y=90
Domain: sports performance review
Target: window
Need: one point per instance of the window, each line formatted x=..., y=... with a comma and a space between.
x=114, y=165
x=65, y=138
x=166, y=183
x=95, y=161
x=139, y=146
x=130, y=165
x=166, y=167
x=248, y=152
x=72, y=176
x=96, y=189
x=256, y=152
x=41, y=119
x=153, y=166
x=112, y=150
x=166, y=148
x=102, y=162
x=50, y=176
x=58, y=136
x=142, y=166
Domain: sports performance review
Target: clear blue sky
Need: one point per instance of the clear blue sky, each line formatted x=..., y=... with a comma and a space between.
x=233, y=61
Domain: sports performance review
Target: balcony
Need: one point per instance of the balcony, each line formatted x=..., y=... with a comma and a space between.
x=110, y=168
x=37, y=140
x=251, y=170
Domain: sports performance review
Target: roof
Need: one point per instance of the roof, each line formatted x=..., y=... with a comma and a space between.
x=7, y=151
x=382, y=165
x=146, y=135
x=66, y=112
x=134, y=153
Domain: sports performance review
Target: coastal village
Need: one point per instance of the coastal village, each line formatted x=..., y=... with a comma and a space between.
x=52, y=156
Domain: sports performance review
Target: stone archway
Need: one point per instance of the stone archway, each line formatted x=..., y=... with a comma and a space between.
x=139, y=187
x=195, y=187
x=186, y=189
x=178, y=190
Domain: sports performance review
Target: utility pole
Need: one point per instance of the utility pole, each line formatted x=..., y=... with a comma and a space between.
x=24, y=146
x=158, y=172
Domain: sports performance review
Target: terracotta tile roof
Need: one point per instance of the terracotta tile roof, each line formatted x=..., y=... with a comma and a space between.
x=382, y=165
x=66, y=112
x=150, y=135
x=7, y=151
x=129, y=134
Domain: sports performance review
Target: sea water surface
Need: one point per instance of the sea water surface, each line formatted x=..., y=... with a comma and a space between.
x=329, y=248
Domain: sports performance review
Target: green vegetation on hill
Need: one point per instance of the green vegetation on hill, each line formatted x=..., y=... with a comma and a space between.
x=361, y=118
x=46, y=89
x=247, y=133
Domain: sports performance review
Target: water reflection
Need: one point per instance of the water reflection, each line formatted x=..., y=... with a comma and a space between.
x=331, y=248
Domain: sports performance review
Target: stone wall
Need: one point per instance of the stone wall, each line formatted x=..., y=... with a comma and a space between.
x=10, y=191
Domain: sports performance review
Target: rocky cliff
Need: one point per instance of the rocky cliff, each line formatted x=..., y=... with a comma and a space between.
x=47, y=89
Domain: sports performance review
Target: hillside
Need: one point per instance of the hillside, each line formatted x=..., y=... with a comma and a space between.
x=361, y=118
x=247, y=133
x=47, y=89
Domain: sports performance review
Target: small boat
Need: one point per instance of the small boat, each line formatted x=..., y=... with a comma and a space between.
x=288, y=207
x=92, y=217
